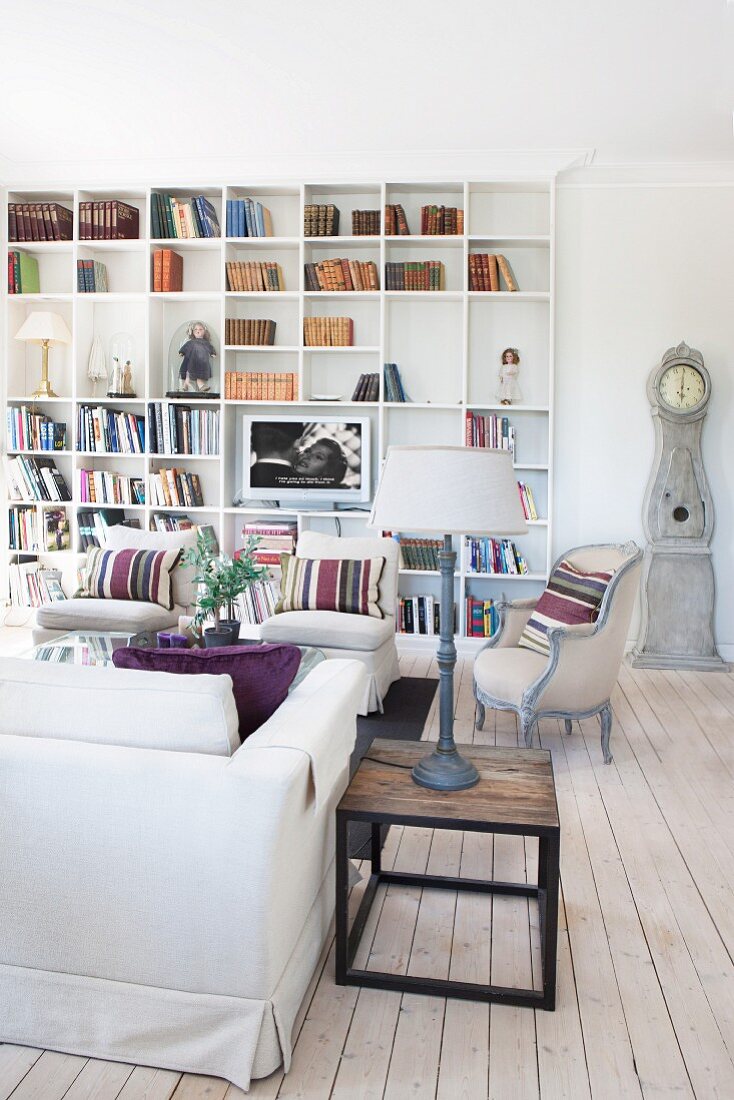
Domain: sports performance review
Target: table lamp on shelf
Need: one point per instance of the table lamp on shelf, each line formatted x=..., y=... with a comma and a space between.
x=447, y=491
x=44, y=328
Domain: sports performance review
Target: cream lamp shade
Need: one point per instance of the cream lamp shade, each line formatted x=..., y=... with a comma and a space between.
x=40, y=326
x=451, y=490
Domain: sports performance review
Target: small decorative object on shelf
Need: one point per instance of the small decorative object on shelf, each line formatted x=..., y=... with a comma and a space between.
x=97, y=365
x=191, y=370
x=44, y=328
x=509, y=390
x=122, y=353
x=56, y=524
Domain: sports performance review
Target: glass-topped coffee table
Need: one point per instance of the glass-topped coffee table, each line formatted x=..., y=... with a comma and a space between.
x=95, y=648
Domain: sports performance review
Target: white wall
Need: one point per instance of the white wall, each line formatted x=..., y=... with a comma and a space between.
x=639, y=269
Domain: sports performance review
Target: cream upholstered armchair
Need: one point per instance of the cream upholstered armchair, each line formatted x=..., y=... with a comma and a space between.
x=358, y=637
x=576, y=679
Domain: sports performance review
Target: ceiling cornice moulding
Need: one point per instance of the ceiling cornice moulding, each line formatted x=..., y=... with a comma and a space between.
x=683, y=174
x=336, y=167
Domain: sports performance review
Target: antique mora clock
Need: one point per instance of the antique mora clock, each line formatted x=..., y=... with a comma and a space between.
x=677, y=595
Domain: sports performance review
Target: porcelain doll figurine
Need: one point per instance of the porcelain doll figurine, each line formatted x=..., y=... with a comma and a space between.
x=196, y=352
x=508, y=390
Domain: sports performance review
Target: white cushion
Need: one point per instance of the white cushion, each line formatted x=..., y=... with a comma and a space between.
x=506, y=673
x=311, y=544
x=327, y=628
x=118, y=706
x=120, y=537
x=84, y=614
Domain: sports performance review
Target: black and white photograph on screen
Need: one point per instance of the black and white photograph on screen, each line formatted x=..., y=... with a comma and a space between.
x=305, y=455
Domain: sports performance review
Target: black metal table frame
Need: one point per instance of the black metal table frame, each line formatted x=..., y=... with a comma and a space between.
x=546, y=893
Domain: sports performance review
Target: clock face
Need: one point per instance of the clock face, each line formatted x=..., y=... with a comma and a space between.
x=682, y=387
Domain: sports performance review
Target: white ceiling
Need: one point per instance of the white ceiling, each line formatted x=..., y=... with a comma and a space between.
x=100, y=86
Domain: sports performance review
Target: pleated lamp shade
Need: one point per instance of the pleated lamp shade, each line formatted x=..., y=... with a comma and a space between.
x=448, y=490
x=41, y=325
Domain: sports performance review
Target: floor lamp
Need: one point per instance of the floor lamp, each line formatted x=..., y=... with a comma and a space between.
x=448, y=491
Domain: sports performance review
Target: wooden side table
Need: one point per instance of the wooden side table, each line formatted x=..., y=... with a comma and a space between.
x=515, y=794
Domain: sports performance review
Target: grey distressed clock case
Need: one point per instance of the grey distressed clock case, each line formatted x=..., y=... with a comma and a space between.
x=677, y=597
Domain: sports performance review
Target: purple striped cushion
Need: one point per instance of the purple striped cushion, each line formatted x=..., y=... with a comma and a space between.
x=130, y=575
x=572, y=598
x=331, y=584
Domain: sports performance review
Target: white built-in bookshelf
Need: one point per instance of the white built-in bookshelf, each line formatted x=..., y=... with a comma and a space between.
x=446, y=343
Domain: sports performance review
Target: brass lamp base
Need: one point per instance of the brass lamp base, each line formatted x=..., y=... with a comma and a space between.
x=44, y=389
x=44, y=386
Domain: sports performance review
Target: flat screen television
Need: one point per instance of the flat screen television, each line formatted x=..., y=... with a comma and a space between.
x=294, y=460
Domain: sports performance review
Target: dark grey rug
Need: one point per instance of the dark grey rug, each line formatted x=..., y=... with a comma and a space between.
x=406, y=708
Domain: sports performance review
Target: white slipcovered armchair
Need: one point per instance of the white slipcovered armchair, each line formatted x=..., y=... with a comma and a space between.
x=576, y=679
x=357, y=637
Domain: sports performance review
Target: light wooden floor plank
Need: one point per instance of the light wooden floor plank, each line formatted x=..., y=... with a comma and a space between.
x=646, y=934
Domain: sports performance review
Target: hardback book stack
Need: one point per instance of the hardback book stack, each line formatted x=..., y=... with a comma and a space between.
x=527, y=500
x=441, y=221
x=273, y=540
x=23, y=529
x=23, y=276
x=175, y=488
x=56, y=530
x=39, y=221
x=489, y=431
x=415, y=275
x=248, y=218
x=32, y=431
x=167, y=270
x=176, y=429
x=320, y=221
x=34, y=479
x=328, y=332
x=365, y=223
x=109, y=431
x=486, y=555
x=367, y=388
x=91, y=277
x=254, y=332
x=396, y=224
x=342, y=275
x=108, y=221
x=394, y=384
x=172, y=217
x=420, y=615
x=251, y=276
x=485, y=269
x=482, y=618
x=106, y=487
x=33, y=586
x=420, y=554
x=92, y=526
x=260, y=386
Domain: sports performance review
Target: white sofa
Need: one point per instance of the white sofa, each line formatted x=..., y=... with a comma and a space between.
x=164, y=898
x=360, y=637
x=131, y=615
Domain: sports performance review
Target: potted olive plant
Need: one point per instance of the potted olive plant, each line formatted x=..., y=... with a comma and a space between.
x=220, y=579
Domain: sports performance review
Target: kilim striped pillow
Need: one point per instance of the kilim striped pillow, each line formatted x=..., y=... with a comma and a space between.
x=330, y=584
x=130, y=575
x=571, y=599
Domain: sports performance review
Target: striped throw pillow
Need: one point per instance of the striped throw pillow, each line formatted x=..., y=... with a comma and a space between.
x=330, y=584
x=572, y=598
x=130, y=575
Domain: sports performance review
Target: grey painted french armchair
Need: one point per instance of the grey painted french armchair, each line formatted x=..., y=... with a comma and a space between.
x=576, y=679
